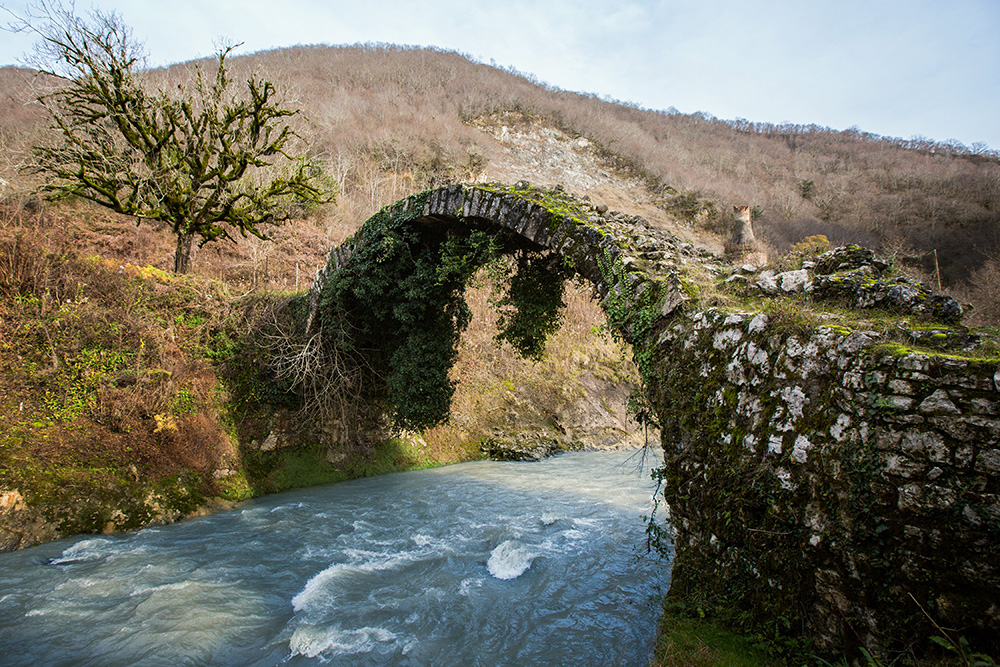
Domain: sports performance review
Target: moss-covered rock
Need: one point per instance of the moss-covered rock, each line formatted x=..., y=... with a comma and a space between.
x=818, y=479
x=520, y=447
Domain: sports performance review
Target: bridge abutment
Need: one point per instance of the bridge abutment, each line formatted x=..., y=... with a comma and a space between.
x=824, y=481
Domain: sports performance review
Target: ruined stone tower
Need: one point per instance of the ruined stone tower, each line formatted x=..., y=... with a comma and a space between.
x=743, y=245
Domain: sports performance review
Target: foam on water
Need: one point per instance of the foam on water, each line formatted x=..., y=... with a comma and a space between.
x=484, y=563
x=83, y=551
x=321, y=588
x=312, y=641
x=548, y=519
x=510, y=560
x=468, y=586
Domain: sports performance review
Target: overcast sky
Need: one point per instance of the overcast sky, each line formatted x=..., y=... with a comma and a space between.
x=893, y=67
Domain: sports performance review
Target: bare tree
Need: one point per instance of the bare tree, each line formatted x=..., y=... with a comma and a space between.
x=203, y=160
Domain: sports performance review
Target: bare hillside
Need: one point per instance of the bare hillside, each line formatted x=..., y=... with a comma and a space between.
x=412, y=109
x=391, y=120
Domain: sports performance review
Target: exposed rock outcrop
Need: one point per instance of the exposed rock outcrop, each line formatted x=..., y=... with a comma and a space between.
x=520, y=447
x=854, y=277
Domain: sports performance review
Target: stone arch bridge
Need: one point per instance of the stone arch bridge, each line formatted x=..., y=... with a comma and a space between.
x=831, y=471
x=617, y=253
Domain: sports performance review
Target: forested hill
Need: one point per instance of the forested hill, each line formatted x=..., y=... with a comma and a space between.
x=390, y=120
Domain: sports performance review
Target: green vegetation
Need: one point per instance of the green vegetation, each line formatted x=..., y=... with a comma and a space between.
x=532, y=307
x=562, y=205
x=401, y=296
x=108, y=427
x=902, y=333
x=806, y=188
x=402, y=299
x=310, y=464
x=695, y=642
x=693, y=207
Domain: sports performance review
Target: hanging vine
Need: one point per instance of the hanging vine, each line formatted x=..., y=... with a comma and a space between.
x=532, y=307
x=400, y=302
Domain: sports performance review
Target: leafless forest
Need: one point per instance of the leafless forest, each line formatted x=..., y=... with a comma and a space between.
x=387, y=121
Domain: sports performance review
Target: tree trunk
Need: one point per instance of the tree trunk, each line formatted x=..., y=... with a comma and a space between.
x=182, y=256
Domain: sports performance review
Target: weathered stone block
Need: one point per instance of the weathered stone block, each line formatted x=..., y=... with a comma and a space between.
x=896, y=402
x=939, y=497
x=964, y=455
x=915, y=362
x=938, y=402
x=903, y=418
x=955, y=427
x=900, y=387
x=966, y=381
x=985, y=406
x=800, y=450
x=927, y=445
x=903, y=466
x=910, y=497
x=767, y=283
x=726, y=338
x=988, y=462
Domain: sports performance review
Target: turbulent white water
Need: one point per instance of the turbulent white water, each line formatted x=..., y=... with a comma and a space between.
x=475, y=564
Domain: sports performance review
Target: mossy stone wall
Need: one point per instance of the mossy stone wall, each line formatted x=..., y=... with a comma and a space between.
x=823, y=484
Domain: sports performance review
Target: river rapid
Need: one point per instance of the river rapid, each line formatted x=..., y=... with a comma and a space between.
x=485, y=563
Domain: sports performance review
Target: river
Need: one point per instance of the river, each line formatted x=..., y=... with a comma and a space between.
x=485, y=563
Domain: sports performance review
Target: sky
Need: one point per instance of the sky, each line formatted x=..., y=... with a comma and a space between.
x=899, y=68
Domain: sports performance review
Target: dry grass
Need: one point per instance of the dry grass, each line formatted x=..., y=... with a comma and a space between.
x=500, y=392
x=97, y=352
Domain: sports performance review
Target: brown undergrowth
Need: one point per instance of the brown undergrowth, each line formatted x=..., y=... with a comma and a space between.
x=499, y=392
x=107, y=386
x=114, y=405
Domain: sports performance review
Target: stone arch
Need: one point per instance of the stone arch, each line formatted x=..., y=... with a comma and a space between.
x=618, y=254
x=631, y=266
